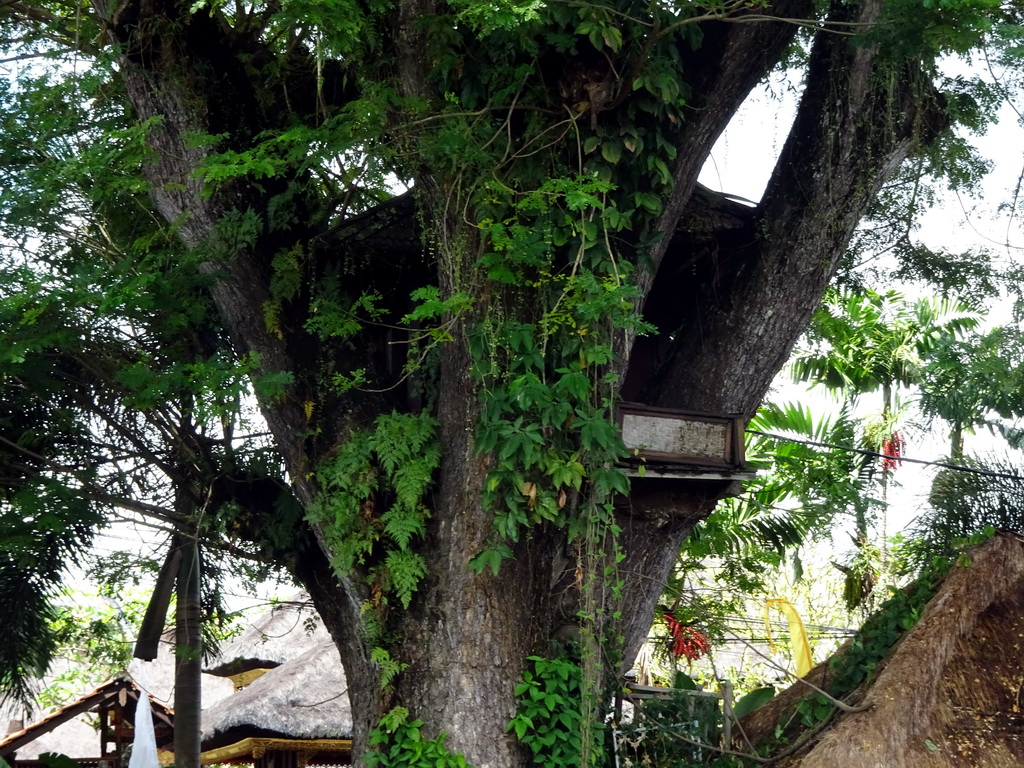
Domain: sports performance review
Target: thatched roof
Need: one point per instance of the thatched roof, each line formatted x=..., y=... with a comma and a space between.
x=287, y=630
x=121, y=690
x=305, y=698
x=70, y=730
x=950, y=693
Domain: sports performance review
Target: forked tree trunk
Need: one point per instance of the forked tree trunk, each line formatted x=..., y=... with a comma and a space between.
x=736, y=302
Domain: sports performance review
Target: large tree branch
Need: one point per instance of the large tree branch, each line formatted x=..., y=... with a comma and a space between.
x=185, y=90
x=63, y=29
x=185, y=81
x=731, y=60
x=860, y=117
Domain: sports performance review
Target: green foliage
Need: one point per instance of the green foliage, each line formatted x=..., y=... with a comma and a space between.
x=819, y=481
x=865, y=341
x=681, y=731
x=388, y=667
x=557, y=236
x=970, y=275
x=857, y=665
x=752, y=700
x=549, y=710
x=862, y=342
x=493, y=16
x=372, y=500
x=552, y=186
x=547, y=401
x=44, y=528
x=57, y=760
x=968, y=382
x=90, y=633
x=964, y=504
x=399, y=743
x=800, y=493
x=937, y=27
x=111, y=361
x=430, y=306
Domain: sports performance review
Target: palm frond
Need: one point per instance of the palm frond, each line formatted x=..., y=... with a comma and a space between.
x=962, y=504
x=43, y=529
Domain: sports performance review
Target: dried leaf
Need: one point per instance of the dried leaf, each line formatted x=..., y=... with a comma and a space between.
x=530, y=492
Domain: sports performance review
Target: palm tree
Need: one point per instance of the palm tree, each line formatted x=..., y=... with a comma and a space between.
x=867, y=341
x=797, y=497
x=967, y=381
x=989, y=496
x=864, y=342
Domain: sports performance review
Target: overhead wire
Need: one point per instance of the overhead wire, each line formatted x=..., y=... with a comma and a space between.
x=866, y=452
x=841, y=632
x=739, y=626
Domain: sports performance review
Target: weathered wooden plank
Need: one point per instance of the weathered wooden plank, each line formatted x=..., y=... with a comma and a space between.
x=682, y=437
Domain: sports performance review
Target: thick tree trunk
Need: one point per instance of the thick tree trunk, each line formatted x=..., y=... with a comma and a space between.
x=752, y=300
x=333, y=604
x=735, y=303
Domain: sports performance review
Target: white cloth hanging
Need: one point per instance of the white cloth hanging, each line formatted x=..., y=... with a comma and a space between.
x=144, y=747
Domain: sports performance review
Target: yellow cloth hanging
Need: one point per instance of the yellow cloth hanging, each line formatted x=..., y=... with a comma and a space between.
x=797, y=634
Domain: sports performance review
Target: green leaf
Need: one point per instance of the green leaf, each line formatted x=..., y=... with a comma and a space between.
x=406, y=570
x=649, y=202
x=611, y=151
x=752, y=701
x=489, y=558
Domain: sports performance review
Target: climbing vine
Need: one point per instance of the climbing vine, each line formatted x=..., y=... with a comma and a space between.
x=390, y=465
x=399, y=743
x=548, y=716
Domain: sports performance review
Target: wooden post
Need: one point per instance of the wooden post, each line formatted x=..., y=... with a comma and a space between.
x=152, y=627
x=104, y=729
x=188, y=659
x=726, y=687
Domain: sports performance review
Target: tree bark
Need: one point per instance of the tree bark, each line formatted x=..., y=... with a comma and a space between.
x=737, y=299
x=751, y=302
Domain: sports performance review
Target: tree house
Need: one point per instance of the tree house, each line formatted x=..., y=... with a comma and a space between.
x=682, y=453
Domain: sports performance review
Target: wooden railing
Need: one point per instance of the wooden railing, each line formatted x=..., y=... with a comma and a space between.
x=636, y=694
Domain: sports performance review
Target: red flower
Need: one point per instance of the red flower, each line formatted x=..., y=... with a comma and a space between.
x=892, y=448
x=686, y=641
